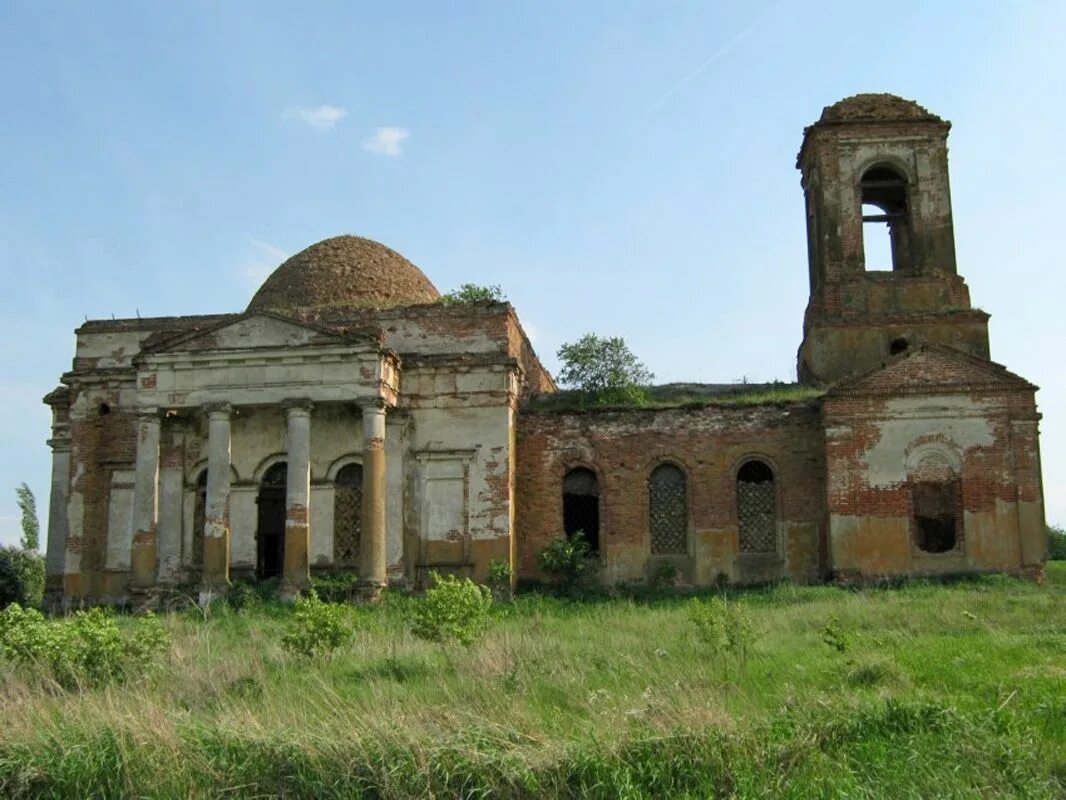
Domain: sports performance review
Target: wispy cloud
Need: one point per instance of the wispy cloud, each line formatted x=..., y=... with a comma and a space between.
x=718, y=54
x=386, y=141
x=262, y=260
x=323, y=117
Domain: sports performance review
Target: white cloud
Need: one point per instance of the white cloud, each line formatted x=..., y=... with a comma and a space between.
x=260, y=263
x=323, y=117
x=386, y=141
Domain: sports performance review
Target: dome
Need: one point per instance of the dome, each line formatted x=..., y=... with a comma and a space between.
x=345, y=271
x=876, y=108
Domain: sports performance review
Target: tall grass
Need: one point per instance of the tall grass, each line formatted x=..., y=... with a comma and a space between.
x=942, y=691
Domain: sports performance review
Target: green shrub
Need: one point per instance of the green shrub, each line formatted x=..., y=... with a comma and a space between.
x=21, y=577
x=473, y=293
x=1056, y=543
x=663, y=576
x=500, y=575
x=336, y=587
x=722, y=626
x=453, y=610
x=566, y=560
x=835, y=636
x=89, y=647
x=243, y=595
x=318, y=628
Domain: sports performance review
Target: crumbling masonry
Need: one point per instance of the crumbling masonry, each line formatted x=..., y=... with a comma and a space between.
x=349, y=420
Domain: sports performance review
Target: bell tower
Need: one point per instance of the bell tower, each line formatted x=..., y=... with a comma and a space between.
x=876, y=165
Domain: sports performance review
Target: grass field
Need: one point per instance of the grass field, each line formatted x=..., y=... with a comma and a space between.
x=945, y=691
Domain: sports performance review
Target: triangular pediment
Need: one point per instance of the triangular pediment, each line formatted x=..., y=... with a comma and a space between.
x=934, y=368
x=257, y=331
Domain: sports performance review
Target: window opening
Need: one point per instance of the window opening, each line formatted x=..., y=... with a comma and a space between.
x=898, y=346
x=756, y=508
x=668, y=510
x=199, y=519
x=270, y=534
x=884, y=203
x=347, y=515
x=581, y=506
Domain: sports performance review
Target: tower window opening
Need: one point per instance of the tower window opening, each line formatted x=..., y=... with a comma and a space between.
x=884, y=203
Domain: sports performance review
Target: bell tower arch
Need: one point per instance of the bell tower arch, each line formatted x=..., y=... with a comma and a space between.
x=876, y=166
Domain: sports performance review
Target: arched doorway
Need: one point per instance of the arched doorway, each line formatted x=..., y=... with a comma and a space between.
x=347, y=516
x=581, y=506
x=270, y=534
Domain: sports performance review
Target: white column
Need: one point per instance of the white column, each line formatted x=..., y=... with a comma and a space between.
x=171, y=500
x=145, y=500
x=372, y=567
x=296, y=567
x=216, y=510
x=55, y=551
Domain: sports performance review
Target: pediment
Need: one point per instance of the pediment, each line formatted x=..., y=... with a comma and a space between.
x=934, y=368
x=257, y=331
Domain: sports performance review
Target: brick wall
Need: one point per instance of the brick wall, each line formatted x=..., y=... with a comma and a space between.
x=709, y=444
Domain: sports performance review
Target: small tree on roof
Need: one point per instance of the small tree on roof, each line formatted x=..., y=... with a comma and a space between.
x=473, y=293
x=605, y=369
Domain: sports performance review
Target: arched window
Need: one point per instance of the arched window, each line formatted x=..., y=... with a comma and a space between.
x=199, y=518
x=756, y=508
x=884, y=202
x=936, y=505
x=270, y=535
x=347, y=515
x=668, y=510
x=581, y=506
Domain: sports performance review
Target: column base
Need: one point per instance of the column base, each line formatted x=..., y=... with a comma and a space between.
x=370, y=591
x=290, y=592
x=209, y=593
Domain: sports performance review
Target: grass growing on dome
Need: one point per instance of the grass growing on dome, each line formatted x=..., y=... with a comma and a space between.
x=939, y=690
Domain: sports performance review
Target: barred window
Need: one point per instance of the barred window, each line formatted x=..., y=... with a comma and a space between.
x=199, y=519
x=347, y=515
x=668, y=510
x=756, y=508
x=581, y=506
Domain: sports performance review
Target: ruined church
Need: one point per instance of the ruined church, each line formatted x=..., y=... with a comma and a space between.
x=348, y=420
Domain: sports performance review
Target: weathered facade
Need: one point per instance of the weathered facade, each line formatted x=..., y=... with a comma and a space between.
x=350, y=420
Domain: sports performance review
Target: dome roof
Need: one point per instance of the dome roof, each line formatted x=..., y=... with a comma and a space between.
x=876, y=108
x=345, y=271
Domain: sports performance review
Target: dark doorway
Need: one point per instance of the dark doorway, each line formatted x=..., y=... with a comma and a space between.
x=270, y=535
x=581, y=506
x=199, y=517
x=936, y=513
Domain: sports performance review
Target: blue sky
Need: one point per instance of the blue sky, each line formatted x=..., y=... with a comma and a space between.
x=619, y=167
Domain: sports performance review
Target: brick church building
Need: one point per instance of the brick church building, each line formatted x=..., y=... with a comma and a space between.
x=348, y=420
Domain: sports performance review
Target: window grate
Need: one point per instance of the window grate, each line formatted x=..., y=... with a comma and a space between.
x=756, y=509
x=668, y=510
x=347, y=516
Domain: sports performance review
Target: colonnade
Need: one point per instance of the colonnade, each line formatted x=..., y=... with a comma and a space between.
x=296, y=574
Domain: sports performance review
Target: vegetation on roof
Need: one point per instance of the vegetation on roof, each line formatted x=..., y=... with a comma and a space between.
x=680, y=395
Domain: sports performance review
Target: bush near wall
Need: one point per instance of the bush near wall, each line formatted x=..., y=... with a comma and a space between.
x=21, y=577
x=1056, y=543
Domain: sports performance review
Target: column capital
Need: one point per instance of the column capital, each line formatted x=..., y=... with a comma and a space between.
x=148, y=414
x=297, y=406
x=372, y=404
x=59, y=445
x=218, y=409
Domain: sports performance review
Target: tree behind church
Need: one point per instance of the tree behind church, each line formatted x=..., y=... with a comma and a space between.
x=605, y=370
